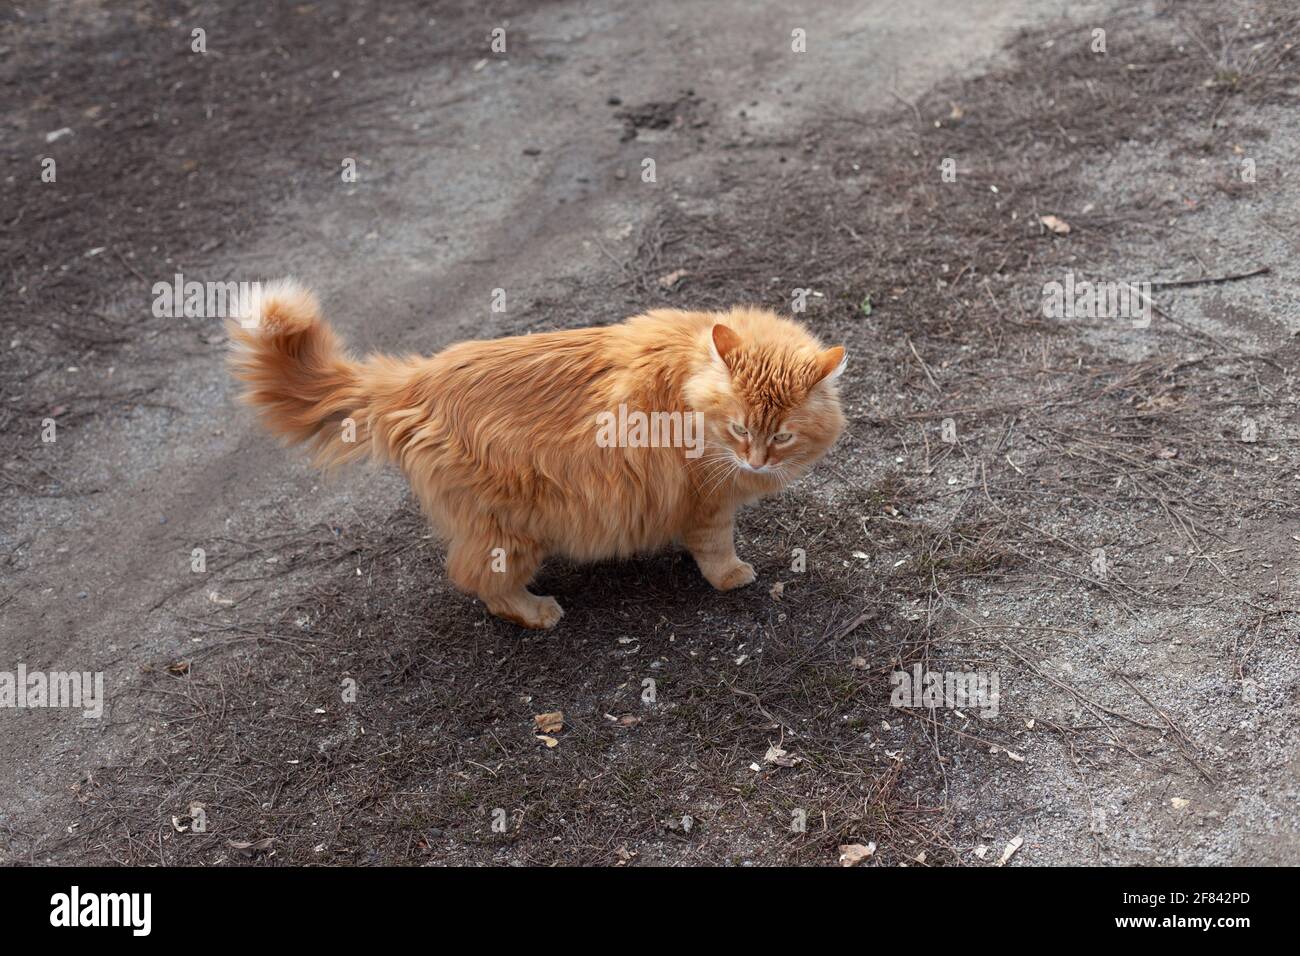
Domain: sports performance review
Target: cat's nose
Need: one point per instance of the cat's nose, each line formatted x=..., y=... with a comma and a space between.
x=757, y=457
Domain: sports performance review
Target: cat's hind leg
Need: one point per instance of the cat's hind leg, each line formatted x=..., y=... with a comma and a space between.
x=497, y=568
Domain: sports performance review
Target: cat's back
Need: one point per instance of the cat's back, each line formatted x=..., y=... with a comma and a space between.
x=573, y=366
x=513, y=425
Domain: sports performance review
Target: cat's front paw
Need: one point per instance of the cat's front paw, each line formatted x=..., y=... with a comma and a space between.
x=736, y=576
x=528, y=610
x=546, y=614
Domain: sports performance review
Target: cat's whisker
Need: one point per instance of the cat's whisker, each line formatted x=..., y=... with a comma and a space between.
x=717, y=476
x=726, y=457
x=720, y=467
x=731, y=465
x=711, y=477
x=710, y=463
x=726, y=476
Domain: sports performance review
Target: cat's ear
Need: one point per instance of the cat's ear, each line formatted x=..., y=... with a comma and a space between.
x=725, y=341
x=830, y=364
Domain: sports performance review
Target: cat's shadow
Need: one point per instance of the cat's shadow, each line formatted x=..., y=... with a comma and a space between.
x=634, y=592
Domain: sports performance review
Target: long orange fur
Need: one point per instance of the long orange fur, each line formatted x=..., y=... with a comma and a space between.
x=499, y=442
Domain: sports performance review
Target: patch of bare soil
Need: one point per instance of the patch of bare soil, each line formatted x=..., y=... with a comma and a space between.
x=658, y=116
x=170, y=192
x=1098, y=526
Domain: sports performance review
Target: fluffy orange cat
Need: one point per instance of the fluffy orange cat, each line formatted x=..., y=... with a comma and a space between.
x=591, y=443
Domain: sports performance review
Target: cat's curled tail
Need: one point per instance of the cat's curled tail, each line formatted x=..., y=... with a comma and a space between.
x=304, y=385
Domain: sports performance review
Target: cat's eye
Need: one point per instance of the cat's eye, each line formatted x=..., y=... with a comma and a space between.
x=782, y=438
x=740, y=431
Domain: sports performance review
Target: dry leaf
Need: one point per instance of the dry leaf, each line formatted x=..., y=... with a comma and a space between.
x=982, y=851
x=1057, y=225
x=851, y=854
x=775, y=755
x=251, y=849
x=777, y=590
x=179, y=668
x=551, y=722
x=1015, y=844
x=194, y=811
x=670, y=280
x=1178, y=802
x=548, y=740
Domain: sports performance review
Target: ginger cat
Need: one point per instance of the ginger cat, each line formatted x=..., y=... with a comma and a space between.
x=592, y=443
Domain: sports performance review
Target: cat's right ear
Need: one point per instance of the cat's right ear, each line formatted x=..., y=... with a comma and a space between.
x=725, y=341
x=830, y=364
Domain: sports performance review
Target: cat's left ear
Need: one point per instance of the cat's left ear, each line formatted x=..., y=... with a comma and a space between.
x=725, y=341
x=830, y=364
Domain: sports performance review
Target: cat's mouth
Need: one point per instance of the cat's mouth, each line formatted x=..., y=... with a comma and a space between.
x=781, y=472
x=778, y=472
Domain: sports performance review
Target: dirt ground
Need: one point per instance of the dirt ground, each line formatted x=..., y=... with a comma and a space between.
x=1099, y=511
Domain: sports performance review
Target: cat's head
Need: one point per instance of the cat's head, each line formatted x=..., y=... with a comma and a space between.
x=768, y=394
